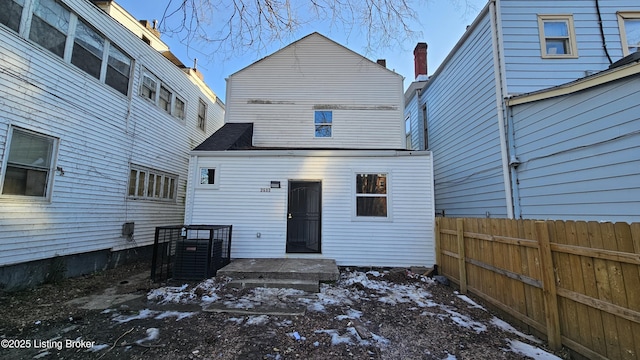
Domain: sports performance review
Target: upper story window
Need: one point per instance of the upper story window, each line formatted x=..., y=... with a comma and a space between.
x=202, y=115
x=161, y=95
x=10, y=13
x=29, y=165
x=629, y=23
x=557, y=36
x=323, y=121
x=50, y=25
x=425, y=121
x=53, y=26
x=407, y=132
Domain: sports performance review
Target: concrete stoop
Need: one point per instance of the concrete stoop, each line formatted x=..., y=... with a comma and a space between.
x=301, y=274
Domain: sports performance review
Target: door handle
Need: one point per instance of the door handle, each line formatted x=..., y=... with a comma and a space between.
x=289, y=216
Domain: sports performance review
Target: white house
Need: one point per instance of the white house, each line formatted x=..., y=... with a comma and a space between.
x=311, y=163
x=463, y=113
x=97, y=121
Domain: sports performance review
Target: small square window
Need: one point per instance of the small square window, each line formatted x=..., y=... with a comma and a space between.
x=629, y=24
x=557, y=36
x=323, y=121
x=209, y=177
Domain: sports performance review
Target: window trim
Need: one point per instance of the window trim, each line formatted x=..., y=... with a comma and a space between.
x=407, y=132
x=156, y=173
x=571, y=38
x=50, y=173
x=355, y=195
x=216, y=177
x=622, y=16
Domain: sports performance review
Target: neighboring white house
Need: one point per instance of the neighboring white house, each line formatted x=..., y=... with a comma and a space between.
x=311, y=163
x=97, y=119
x=463, y=114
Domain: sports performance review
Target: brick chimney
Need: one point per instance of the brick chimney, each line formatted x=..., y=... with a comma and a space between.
x=382, y=62
x=420, y=59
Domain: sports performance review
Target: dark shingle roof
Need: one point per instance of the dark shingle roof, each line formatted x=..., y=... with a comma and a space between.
x=231, y=136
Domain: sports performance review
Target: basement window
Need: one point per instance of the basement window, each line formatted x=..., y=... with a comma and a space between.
x=557, y=36
x=151, y=184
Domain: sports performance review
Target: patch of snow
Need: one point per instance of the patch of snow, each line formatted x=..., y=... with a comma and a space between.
x=450, y=357
x=235, y=320
x=465, y=321
x=507, y=327
x=96, y=348
x=351, y=314
x=178, y=314
x=473, y=304
x=152, y=334
x=531, y=351
x=143, y=314
x=336, y=339
x=42, y=354
x=257, y=320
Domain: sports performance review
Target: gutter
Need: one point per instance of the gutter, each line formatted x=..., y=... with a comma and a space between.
x=311, y=153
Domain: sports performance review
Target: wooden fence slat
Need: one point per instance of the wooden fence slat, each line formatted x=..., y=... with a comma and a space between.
x=549, y=287
x=631, y=282
x=461, y=256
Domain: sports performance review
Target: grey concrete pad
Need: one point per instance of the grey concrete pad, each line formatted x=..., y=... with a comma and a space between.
x=282, y=268
x=280, y=309
x=304, y=285
x=115, y=295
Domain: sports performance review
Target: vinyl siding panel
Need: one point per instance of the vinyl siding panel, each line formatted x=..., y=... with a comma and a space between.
x=580, y=154
x=405, y=239
x=100, y=133
x=527, y=71
x=280, y=93
x=463, y=130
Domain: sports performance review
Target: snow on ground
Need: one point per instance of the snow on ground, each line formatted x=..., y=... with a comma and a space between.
x=343, y=293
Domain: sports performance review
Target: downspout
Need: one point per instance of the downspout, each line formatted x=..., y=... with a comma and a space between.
x=500, y=82
x=191, y=189
x=514, y=162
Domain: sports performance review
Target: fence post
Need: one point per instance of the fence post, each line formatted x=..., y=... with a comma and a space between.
x=549, y=290
x=438, y=245
x=462, y=262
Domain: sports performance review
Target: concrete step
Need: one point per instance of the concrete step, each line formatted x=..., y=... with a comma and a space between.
x=299, y=284
x=298, y=269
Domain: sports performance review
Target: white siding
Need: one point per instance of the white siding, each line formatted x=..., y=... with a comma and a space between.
x=280, y=93
x=464, y=131
x=580, y=154
x=407, y=239
x=101, y=132
x=527, y=71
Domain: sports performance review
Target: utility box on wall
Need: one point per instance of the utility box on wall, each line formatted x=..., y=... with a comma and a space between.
x=192, y=252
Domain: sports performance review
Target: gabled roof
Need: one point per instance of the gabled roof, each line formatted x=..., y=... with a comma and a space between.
x=305, y=38
x=231, y=136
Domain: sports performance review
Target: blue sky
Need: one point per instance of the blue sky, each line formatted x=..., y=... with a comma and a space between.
x=442, y=23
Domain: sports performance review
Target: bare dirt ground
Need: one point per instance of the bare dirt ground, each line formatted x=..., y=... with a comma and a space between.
x=391, y=317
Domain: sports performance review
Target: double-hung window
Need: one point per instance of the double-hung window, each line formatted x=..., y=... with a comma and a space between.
x=323, y=121
x=88, y=48
x=202, y=115
x=50, y=25
x=165, y=99
x=159, y=93
x=629, y=24
x=29, y=165
x=10, y=13
x=557, y=36
x=371, y=195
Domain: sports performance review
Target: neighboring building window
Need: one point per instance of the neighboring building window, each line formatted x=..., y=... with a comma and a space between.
x=629, y=23
x=371, y=195
x=88, y=48
x=557, y=36
x=30, y=164
x=10, y=13
x=151, y=184
x=323, y=121
x=179, y=108
x=407, y=132
x=49, y=25
x=426, y=127
x=118, y=70
x=165, y=99
x=202, y=115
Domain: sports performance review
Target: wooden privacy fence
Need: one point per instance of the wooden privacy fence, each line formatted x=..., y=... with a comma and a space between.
x=575, y=282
